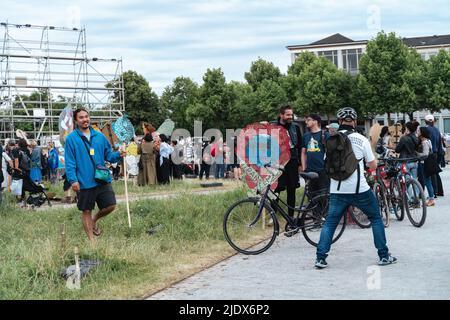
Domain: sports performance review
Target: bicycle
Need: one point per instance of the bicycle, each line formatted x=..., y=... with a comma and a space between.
x=405, y=192
x=246, y=226
x=359, y=217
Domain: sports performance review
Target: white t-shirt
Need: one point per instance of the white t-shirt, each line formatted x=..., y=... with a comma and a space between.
x=4, y=159
x=362, y=149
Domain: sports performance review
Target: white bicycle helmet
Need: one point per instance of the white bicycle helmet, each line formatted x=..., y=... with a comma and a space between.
x=347, y=113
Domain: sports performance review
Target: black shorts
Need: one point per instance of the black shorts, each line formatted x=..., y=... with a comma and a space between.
x=102, y=194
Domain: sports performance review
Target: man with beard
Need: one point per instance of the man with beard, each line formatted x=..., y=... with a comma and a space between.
x=289, y=180
x=85, y=150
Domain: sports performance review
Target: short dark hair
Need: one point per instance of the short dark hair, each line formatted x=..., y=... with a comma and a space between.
x=316, y=117
x=384, y=131
x=148, y=137
x=163, y=138
x=22, y=143
x=76, y=112
x=410, y=126
x=285, y=107
x=424, y=132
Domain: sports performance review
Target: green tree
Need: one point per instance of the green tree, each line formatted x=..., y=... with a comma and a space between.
x=384, y=69
x=269, y=96
x=261, y=70
x=244, y=109
x=177, y=98
x=214, y=103
x=141, y=102
x=415, y=87
x=293, y=83
x=324, y=89
x=438, y=94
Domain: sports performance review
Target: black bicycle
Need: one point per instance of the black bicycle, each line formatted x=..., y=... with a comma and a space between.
x=251, y=225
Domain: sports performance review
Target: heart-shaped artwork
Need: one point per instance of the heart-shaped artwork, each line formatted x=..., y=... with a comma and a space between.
x=262, y=149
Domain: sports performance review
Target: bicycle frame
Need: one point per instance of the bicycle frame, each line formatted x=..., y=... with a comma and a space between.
x=277, y=207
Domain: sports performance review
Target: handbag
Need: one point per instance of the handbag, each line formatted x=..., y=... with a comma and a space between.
x=101, y=173
x=430, y=165
x=16, y=187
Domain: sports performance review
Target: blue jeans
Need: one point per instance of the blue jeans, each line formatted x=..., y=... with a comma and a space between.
x=412, y=168
x=426, y=181
x=220, y=167
x=339, y=203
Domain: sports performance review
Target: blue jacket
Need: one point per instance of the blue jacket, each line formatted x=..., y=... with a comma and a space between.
x=435, y=137
x=79, y=167
x=53, y=159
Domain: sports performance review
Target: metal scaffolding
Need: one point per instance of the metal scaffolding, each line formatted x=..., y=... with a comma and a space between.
x=43, y=69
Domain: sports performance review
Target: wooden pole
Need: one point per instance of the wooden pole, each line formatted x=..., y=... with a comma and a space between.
x=126, y=188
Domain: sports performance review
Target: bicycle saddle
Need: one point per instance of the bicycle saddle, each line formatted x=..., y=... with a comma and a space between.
x=309, y=175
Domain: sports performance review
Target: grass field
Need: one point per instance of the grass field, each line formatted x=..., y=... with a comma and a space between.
x=133, y=263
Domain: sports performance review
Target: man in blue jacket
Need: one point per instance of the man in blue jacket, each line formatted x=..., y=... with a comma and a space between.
x=436, y=142
x=85, y=147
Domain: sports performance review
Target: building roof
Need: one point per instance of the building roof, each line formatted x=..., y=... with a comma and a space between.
x=335, y=38
x=427, y=41
x=338, y=39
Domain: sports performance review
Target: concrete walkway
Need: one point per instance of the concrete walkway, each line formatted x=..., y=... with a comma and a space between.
x=286, y=270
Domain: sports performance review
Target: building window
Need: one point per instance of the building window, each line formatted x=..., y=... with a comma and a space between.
x=351, y=59
x=446, y=125
x=330, y=55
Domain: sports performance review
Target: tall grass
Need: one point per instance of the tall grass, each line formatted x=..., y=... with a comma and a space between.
x=132, y=262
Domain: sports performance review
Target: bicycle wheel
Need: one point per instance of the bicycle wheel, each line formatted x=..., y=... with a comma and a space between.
x=416, y=207
x=314, y=217
x=382, y=203
x=359, y=217
x=247, y=233
x=398, y=199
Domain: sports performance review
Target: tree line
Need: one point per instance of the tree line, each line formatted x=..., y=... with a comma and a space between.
x=392, y=78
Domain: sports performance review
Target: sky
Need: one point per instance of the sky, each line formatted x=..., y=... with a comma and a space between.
x=163, y=39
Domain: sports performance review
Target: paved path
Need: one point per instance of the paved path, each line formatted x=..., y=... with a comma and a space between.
x=286, y=270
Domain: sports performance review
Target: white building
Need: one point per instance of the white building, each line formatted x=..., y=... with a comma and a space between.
x=346, y=53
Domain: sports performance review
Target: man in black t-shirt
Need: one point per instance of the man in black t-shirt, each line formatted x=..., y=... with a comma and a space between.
x=313, y=153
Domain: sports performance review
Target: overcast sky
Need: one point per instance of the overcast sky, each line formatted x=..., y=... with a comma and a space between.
x=163, y=39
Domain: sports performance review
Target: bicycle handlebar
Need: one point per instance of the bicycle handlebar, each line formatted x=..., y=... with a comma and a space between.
x=403, y=160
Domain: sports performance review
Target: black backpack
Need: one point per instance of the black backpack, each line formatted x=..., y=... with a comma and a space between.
x=341, y=161
x=24, y=161
x=379, y=147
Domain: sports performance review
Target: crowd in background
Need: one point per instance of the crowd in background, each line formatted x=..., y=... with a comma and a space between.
x=426, y=143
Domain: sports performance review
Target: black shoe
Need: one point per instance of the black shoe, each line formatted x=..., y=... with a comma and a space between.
x=321, y=264
x=388, y=260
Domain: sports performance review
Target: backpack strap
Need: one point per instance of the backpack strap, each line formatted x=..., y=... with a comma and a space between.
x=86, y=142
x=358, y=178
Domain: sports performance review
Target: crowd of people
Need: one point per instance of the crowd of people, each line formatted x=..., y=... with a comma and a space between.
x=24, y=160
x=150, y=160
x=427, y=144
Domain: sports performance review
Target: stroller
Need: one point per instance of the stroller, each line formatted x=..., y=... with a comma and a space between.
x=37, y=196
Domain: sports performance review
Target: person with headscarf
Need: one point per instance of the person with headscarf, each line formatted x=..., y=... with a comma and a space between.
x=147, y=165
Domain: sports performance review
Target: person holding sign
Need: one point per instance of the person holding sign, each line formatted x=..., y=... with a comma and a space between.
x=86, y=151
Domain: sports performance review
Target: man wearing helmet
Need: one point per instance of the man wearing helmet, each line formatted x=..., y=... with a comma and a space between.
x=351, y=192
